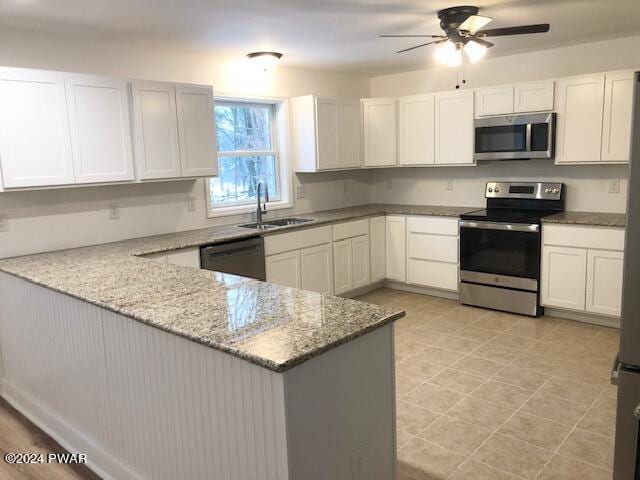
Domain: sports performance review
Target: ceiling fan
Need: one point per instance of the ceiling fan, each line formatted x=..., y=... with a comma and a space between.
x=463, y=32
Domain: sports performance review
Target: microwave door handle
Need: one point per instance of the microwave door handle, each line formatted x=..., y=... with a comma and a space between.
x=527, y=139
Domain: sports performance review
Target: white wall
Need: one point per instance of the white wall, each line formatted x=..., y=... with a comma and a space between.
x=587, y=185
x=55, y=219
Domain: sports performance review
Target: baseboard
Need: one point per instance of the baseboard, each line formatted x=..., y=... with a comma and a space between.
x=98, y=460
x=584, y=317
x=362, y=290
x=433, y=292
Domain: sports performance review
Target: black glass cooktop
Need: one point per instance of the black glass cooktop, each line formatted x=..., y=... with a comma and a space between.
x=507, y=215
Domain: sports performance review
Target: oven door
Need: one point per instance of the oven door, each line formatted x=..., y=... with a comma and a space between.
x=500, y=254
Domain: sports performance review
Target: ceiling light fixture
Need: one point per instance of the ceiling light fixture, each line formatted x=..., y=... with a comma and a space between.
x=474, y=51
x=450, y=54
x=266, y=60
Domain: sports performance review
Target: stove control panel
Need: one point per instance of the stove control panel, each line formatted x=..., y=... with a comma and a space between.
x=525, y=190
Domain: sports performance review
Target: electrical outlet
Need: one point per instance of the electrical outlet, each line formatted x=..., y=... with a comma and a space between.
x=191, y=203
x=357, y=464
x=114, y=211
x=4, y=223
x=449, y=186
x=301, y=191
x=389, y=184
x=614, y=186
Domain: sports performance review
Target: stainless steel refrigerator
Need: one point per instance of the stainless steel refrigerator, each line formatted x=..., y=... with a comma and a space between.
x=627, y=368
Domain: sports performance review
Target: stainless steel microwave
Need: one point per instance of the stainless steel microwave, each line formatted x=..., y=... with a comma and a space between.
x=515, y=137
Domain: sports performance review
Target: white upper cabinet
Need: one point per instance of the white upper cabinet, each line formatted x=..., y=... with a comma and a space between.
x=454, y=128
x=196, y=131
x=326, y=133
x=416, y=124
x=379, y=124
x=155, y=126
x=533, y=97
x=35, y=146
x=618, y=105
x=519, y=98
x=494, y=100
x=350, y=135
x=100, y=129
x=579, y=104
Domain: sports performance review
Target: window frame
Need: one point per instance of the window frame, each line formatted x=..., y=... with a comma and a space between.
x=279, y=141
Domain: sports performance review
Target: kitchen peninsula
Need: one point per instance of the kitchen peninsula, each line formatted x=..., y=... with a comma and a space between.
x=131, y=361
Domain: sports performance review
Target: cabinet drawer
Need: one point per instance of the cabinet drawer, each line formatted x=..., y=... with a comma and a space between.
x=441, y=248
x=433, y=274
x=434, y=225
x=584, y=237
x=285, y=242
x=350, y=229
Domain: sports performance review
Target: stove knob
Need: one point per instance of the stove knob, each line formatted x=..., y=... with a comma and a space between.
x=555, y=191
x=497, y=190
x=547, y=190
x=490, y=189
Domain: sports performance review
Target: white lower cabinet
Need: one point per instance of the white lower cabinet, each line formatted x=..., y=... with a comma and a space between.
x=432, y=252
x=360, y=261
x=316, y=269
x=284, y=269
x=378, y=248
x=301, y=259
x=604, y=282
x=342, y=266
x=564, y=281
x=582, y=268
x=396, y=249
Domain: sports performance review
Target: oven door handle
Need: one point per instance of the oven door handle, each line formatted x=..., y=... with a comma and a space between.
x=509, y=227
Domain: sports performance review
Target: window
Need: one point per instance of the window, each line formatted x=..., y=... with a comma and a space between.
x=247, y=154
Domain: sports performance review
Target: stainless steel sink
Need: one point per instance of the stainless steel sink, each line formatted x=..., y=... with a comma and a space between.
x=279, y=222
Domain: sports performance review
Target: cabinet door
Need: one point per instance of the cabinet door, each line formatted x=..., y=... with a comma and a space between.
x=361, y=261
x=494, y=100
x=378, y=241
x=379, y=121
x=579, y=132
x=604, y=282
x=327, y=118
x=100, y=128
x=350, y=135
x=155, y=127
x=564, y=274
x=416, y=116
x=454, y=128
x=533, y=97
x=396, y=249
x=196, y=131
x=342, y=266
x=284, y=269
x=35, y=146
x=316, y=266
x=616, y=129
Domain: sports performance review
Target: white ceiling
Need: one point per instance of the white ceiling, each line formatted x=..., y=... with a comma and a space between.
x=331, y=34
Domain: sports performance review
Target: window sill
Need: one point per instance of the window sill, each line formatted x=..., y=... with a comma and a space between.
x=243, y=209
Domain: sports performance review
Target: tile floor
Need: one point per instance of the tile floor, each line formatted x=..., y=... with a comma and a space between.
x=486, y=395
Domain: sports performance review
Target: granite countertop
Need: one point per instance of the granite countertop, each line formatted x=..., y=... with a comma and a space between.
x=588, y=218
x=269, y=325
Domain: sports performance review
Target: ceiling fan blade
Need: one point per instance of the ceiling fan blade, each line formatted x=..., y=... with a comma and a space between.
x=474, y=23
x=419, y=46
x=521, y=30
x=411, y=36
x=481, y=41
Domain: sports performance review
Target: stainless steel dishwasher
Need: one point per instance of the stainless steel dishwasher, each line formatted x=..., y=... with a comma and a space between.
x=241, y=257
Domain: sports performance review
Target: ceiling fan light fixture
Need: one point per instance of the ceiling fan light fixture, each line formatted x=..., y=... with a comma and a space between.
x=266, y=60
x=449, y=54
x=474, y=51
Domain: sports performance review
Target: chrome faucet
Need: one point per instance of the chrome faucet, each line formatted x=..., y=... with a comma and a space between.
x=261, y=210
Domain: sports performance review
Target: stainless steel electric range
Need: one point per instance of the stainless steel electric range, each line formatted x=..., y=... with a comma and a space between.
x=500, y=246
